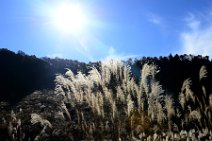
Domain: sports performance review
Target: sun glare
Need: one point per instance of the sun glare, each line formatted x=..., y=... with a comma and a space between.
x=69, y=18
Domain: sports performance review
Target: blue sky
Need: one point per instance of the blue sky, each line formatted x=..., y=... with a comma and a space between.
x=114, y=28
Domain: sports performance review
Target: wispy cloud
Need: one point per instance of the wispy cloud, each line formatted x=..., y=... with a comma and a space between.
x=154, y=19
x=94, y=50
x=197, y=39
x=112, y=54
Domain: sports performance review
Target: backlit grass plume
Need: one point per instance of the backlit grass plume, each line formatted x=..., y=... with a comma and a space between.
x=110, y=95
x=35, y=118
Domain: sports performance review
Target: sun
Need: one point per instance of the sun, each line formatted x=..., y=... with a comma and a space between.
x=69, y=18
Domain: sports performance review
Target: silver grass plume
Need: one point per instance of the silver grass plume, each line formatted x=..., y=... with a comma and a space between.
x=80, y=79
x=182, y=100
x=120, y=94
x=97, y=108
x=195, y=114
x=156, y=89
x=169, y=106
x=114, y=66
x=114, y=110
x=130, y=105
x=126, y=73
x=153, y=98
x=146, y=71
x=153, y=70
x=35, y=118
x=10, y=128
x=93, y=102
x=105, y=72
x=70, y=74
x=61, y=80
x=160, y=114
x=108, y=95
x=138, y=91
x=18, y=123
x=78, y=96
x=13, y=116
x=63, y=106
x=95, y=76
x=131, y=86
x=151, y=108
x=187, y=88
x=59, y=114
x=88, y=97
x=210, y=101
x=59, y=91
x=203, y=72
x=100, y=104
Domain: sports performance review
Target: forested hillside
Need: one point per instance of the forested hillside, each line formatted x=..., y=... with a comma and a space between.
x=21, y=74
x=165, y=98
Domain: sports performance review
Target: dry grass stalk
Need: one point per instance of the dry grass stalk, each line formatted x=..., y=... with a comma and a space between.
x=35, y=118
x=182, y=100
x=169, y=106
x=95, y=76
x=195, y=115
x=130, y=105
x=120, y=95
x=210, y=101
x=203, y=73
x=186, y=89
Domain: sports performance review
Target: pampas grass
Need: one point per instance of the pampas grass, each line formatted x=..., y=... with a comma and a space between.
x=195, y=115
x=203, y=73
x=117, y=102
x=186, y=89
x=210, y=101
x=35, y=118
x=108, y=103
